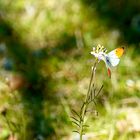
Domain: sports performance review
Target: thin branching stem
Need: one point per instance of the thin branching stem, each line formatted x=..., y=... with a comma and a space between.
x=91, y=96
x=85, y=105
x=91, y=79
x=99, y=91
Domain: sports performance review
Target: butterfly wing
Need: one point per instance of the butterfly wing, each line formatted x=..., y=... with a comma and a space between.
x=117, y=53
x=112, y=62
x=113, y=57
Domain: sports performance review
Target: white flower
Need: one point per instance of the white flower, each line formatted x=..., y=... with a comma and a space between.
x=99, y=52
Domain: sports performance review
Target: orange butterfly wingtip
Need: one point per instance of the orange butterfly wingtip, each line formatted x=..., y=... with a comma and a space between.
x=119, y=52
x=109, y=73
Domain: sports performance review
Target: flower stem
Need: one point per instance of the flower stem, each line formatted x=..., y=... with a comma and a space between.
x=91, y=80
x=85, y=105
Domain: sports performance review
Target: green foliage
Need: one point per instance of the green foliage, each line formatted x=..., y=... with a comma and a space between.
x=48, y=44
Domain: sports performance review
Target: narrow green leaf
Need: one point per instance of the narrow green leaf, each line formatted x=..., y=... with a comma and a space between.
x=76, y=131
x=85, y=125
x=75, y=119
x=75, y=113
x=76, y=123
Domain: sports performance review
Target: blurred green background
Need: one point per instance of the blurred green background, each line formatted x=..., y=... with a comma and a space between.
x=46, y=64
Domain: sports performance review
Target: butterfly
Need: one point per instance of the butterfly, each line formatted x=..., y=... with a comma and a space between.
x=112, y=59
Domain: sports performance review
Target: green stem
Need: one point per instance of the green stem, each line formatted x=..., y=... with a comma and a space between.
x=84, y=108
x=91, y=80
